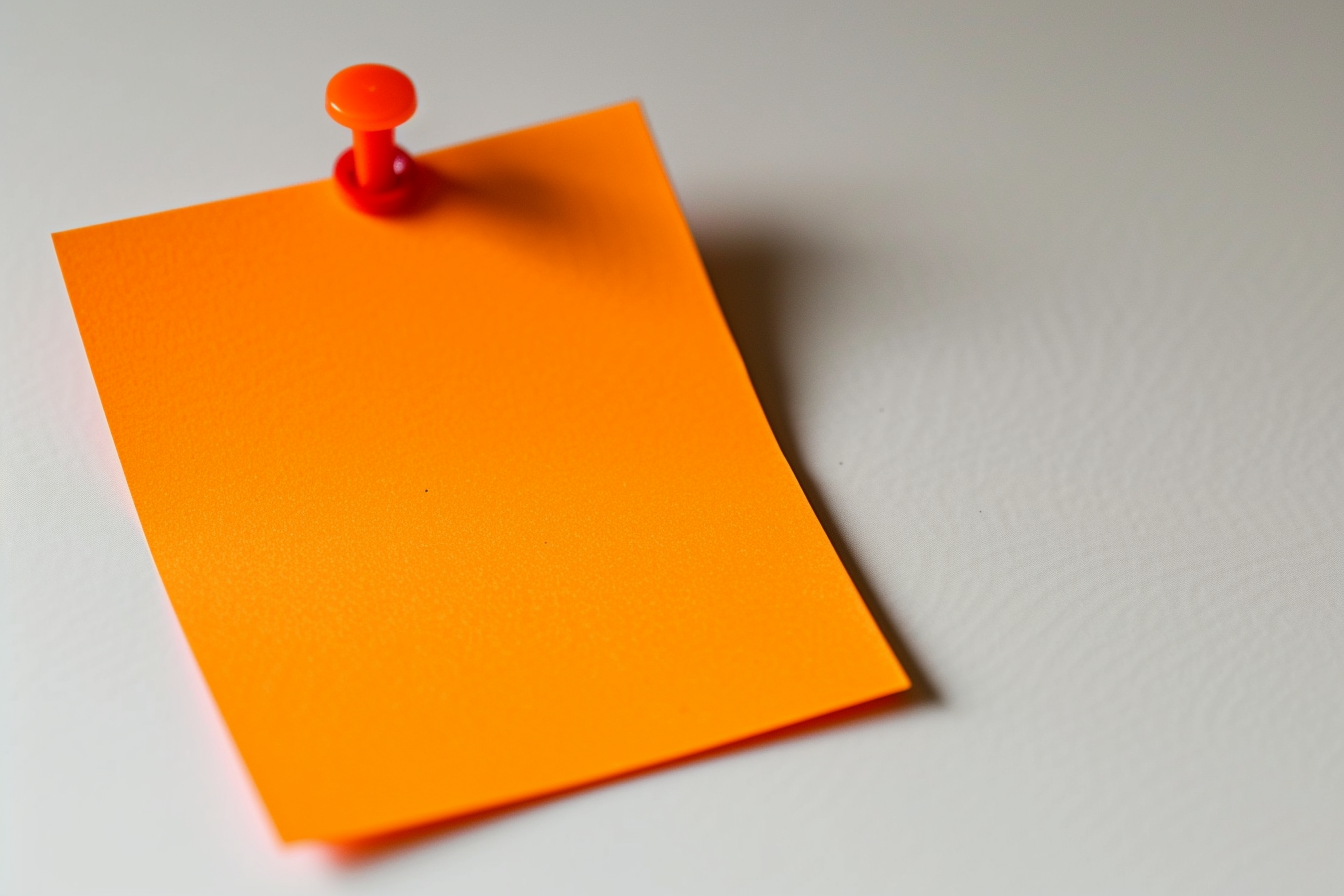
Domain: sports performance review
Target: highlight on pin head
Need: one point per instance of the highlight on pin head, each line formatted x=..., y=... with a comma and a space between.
x=374, y=175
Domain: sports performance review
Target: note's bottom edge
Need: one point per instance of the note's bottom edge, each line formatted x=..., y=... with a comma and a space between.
x=366, y=842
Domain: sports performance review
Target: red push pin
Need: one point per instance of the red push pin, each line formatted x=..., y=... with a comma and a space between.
x=375, y=175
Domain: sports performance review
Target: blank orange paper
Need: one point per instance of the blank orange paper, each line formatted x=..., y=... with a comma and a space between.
x=469, y=506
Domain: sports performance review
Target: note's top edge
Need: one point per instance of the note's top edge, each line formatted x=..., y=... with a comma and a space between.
x=633, y=103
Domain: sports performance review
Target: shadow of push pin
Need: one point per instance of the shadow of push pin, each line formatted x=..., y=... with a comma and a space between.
x=375, y=175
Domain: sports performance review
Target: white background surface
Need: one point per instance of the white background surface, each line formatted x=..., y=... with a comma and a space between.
x=1049, y=306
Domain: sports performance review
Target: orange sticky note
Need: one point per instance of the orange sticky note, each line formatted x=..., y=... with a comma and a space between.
x=469, y=506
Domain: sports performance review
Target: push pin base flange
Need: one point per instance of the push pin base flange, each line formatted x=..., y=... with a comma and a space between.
x=397, y=198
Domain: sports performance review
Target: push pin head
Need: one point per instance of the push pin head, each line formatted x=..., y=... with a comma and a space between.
x=375, y=175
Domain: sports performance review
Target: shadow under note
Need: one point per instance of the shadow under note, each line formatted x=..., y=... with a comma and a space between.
x=750, y=273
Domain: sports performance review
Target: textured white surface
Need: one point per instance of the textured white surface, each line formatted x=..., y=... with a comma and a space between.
x=1049, y=304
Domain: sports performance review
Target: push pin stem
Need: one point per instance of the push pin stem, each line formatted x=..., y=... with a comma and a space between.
x=375, y=174
x=374, y=155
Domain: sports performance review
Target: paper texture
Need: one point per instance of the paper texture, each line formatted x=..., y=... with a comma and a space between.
x=469, y=506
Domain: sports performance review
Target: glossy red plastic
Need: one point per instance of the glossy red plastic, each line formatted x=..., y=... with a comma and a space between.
x=375, y=175
x=400, y=196
x=370, y=97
